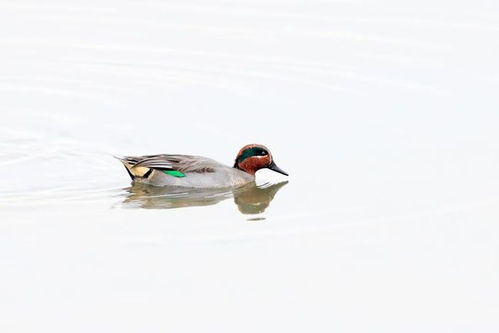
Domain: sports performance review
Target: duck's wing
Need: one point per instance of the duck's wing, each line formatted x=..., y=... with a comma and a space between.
x=142, y=166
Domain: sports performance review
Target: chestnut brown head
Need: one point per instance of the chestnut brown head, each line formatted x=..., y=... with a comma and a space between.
x=254, y=157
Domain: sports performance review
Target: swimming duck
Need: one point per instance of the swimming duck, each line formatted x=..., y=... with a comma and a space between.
x=199, y=172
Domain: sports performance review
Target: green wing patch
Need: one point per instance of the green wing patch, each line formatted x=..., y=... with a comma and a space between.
x=174, y=173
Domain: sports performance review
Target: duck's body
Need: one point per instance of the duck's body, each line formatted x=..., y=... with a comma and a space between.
x=197, y=171
x=191, y=171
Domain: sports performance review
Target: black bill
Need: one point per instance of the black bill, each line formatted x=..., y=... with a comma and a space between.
x=275, y=168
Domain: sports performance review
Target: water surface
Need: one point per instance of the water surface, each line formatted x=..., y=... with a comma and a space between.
x=383, y=113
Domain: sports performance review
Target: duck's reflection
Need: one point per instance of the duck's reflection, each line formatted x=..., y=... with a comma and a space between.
x=250, y=199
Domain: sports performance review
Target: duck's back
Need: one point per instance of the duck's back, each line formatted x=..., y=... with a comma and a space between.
x=184, y=171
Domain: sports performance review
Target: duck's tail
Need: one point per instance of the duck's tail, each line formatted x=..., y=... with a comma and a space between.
x=133, y=171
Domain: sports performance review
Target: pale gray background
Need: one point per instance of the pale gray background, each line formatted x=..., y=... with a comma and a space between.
x=385, y=114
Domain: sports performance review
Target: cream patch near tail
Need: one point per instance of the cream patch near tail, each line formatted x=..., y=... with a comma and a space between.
x=139, y=171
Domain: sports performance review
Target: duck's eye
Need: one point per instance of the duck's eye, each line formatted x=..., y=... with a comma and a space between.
x=263, y=153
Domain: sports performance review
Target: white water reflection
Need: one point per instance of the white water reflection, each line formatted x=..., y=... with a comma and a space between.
x=249, y=199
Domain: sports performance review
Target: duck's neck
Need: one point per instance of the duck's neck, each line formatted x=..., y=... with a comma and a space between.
x=250, y=168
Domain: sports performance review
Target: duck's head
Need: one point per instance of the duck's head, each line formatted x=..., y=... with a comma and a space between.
x=254, y=157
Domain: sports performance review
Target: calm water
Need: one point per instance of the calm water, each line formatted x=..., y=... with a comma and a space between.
x=384, y=114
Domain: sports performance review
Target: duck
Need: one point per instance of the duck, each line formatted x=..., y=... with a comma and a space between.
x=197, y=171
